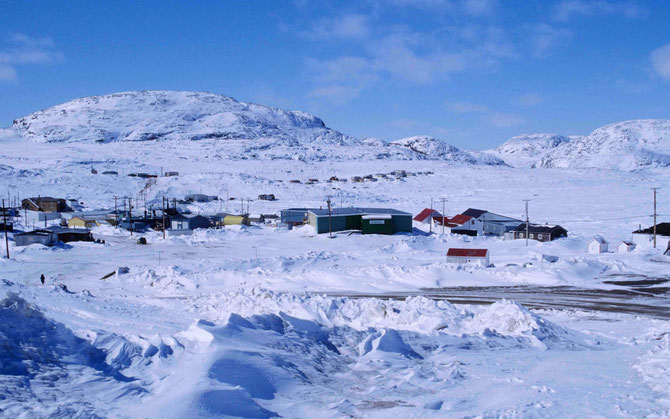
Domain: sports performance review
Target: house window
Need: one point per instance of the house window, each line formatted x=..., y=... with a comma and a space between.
x=532, y=236
x=522, y=235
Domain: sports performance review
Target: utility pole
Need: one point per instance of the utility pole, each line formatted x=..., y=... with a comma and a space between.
x=443, y=201
x=330, y=219
x=655, y=189
x=527, y=221
x=4, y=220
x=431, y=215
x=164, y=226
x=130, y=214
x=116, y=209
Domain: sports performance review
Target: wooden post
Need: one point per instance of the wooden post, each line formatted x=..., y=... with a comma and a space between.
x=4, y=219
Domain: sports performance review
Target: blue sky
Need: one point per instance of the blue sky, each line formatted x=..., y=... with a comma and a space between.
x=470, y=72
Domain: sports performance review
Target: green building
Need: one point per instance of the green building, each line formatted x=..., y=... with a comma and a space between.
x=367, y=220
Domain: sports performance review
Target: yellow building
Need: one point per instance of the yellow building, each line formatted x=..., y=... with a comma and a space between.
x=230, y=220
x=75, y=222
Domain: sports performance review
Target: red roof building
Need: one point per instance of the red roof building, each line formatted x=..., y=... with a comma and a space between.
x=424, y=216
x=468, y=256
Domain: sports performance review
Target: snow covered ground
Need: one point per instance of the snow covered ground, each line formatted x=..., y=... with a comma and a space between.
x=235, y=322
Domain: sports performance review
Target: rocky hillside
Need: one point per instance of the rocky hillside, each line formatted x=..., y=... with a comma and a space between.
x=628, y=146
x=526, y=150
x=433, y=148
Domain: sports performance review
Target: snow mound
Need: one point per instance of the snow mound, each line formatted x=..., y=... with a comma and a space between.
x=511, y=319
x=626, y=146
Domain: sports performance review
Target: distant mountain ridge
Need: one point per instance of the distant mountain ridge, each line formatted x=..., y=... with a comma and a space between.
x=248, y=130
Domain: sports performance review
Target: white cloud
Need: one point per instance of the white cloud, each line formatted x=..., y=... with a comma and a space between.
x=24, y=50
x=660, y=61
x=412, y=56
x=503, y=120
x=530, y=99
x=465, y=107
x=479, y=7
x=496, y=119
x=336, y=93
x=7, y=73
x=544, y=37
x=353, y=26
x=566, y=9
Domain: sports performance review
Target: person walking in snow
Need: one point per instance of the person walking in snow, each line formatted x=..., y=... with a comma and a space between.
x=42, y=279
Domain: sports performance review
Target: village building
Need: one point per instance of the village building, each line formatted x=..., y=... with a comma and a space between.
x=231, y=220
x=199, y=197
x=493, y=224
x=67, y=235
x=52, y=235
x=170, y=174
x=45, y=204
x=542, y=233
x=9, y=226
x=342, y=219
x=597, y=245
x=44, y=237
x=189, y=222
x=645, y=237
x=294, y=216
x=110, y=172
x=625, y=247
x=81, y=222
x=468, y=256
x=256, y=219
x=464, y=224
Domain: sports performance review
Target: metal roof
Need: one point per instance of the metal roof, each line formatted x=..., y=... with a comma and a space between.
x=662, y=229
x=356, y=211
x=426, y=213
x=473, y=212
x=476, y=253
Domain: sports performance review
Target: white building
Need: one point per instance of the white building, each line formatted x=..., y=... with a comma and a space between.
x=645, y=237
x=597, y=245
x=625, y=247
x=464, y=224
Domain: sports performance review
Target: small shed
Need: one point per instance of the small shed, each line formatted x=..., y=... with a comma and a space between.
x=377, y=224
x=625, y=247
x=597, y=245
x=467, y=256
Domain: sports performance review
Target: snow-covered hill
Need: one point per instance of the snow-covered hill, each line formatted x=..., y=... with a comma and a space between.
x=526, y=150
x=171, y=115
x=246, y=130
x=628, y=145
